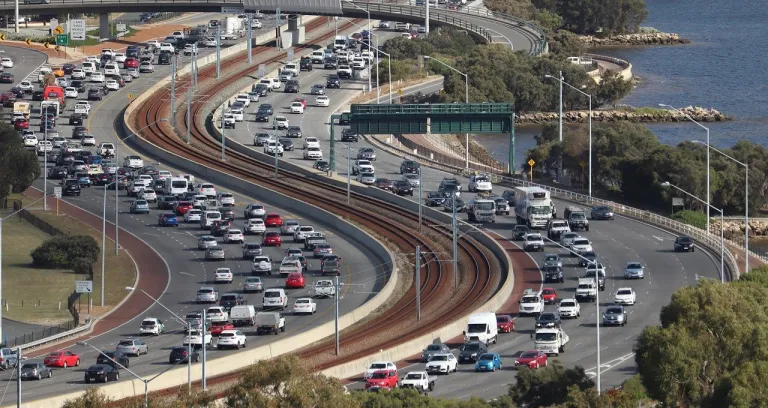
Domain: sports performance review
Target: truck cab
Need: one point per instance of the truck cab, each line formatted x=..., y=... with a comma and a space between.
x=550, y=340
x=482, y=328
x=577, y=218
x=481, y=211
x=556, y=228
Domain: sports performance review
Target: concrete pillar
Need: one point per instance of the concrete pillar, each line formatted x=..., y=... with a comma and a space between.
x=104, y=25
x=293, y=22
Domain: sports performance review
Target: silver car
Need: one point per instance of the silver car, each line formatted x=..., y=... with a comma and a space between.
x=207, y=241
x=615, y=316
x=432, y=349
x=133, y=347
x=553, y=260
x=252, y=249
x=366, y=153
x=207, y=294
x=253, y=284
x=367, y=178
x=35, y=371
x=254, y=211
x=215, y=254
x=412, y=179
x=567, y=239
x=289, y=227
x=634, y=270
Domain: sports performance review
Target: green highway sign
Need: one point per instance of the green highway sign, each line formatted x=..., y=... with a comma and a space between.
x=62, y=39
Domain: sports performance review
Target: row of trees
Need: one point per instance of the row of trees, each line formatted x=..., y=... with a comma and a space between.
x=18, y=167
x=498, y=74
x=629, y=164
x=285, y=382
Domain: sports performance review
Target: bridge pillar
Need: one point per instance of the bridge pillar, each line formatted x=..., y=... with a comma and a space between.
x=104, y=25
x=296, y=29
x=293, y=22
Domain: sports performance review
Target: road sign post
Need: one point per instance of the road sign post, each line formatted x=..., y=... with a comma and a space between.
x=83, y=286
x=530, y=163
x=57, y=194
x=77, y=30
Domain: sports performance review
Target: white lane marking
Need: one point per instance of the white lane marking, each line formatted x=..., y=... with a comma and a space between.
x=659, y=238
x=592, y=372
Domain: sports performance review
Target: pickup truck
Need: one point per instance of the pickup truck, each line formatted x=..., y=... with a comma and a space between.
x=325, y=288
x=8, y=358
x=557, y=228
x=550, y=340
x=290, y=265
x=418, y=380
x=195, y=338
x=269, y=322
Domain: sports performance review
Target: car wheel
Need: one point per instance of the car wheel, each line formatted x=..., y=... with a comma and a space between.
x=77, y=363
x=50, y=373
x=65, y=365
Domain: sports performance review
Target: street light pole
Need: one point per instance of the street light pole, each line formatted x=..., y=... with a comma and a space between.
x=708, y=147
x=349, y=177
x=455, y=245
x=722, y=219
x=417, y=283
x=466, y=100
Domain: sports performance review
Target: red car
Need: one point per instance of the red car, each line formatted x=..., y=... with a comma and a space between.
x=131, y=63
x=505, y=323
x=273, y=221
x=302, y=100
x=21, y=124
x=295, y=280
x=383, y=378
x=272, y=239
x=549, y=295
x=218, y=327
x=532, y=359
x=102, y=179
x=62, y=359
x=182, y=207
x=8, y=99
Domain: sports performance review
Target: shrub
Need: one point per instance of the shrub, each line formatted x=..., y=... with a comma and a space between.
x=695, y=218
x=63, y=251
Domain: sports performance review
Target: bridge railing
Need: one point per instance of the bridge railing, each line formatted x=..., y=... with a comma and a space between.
x=541, y=41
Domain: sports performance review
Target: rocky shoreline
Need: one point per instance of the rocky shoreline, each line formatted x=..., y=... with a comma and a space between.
x=641, y=115
x=735, y=228
x=655, y=38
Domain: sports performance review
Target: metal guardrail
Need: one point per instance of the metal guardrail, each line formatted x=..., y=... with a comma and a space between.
x=57, y=337
x=541, y=36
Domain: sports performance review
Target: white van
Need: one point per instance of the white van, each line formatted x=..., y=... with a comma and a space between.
x=532, y=303
x=208, y=218
x=242, y=315
x=51, y=107
x=111, y=70
x=89, y=67
x=175, y=186
x=42, y=73
x=275, y=298
x=482, y=328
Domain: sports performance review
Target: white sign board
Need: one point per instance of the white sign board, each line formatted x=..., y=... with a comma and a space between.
x=677, y=202
x=120, y=27
x=54, y=23
x=57, y=192
x=83, y=286
x=77, y=29
x=232, y=10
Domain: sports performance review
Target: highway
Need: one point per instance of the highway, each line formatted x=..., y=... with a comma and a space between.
x=616, y=242
x=188, y=270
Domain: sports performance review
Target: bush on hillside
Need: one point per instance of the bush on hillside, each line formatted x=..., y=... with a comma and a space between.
x=64, y=251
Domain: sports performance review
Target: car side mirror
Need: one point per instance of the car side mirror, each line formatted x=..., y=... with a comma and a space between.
x=464, y=332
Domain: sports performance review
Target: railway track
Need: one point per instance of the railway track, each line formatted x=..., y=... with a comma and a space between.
x=440, y=303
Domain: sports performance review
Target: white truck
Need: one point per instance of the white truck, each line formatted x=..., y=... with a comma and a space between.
x=557, y=228
x=480, y=182
x=196, y=338
x=418, y=380
x=324, y=288
x=233, y=29
x=481, y=210
x=269, y=322
x=340, y=42
x=242, y=315
x=550, y=340
x=482, y=328
x=533, y=206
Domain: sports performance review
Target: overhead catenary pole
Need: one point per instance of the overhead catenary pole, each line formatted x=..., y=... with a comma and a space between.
x=417, y=283
x=455, y=245
x=189, y=114
x=18, y=364
x=420, y=198
x=597, y=324
x=205, y=347
x=560, y=131
x=336, y=301
x=104, y=241
x=250, y=38
x=223, y=138
x=426, y=18
x=349, y=172
x=218, y=51
x=173, y=92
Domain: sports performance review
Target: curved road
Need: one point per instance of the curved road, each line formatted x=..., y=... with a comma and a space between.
x=617, y=242
x=188, y=270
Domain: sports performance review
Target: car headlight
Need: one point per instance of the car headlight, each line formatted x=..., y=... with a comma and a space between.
x=474, y=355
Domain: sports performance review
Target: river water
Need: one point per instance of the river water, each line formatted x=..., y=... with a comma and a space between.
x=722, y=68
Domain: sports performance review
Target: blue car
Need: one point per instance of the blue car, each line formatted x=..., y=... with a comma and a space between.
x=95, y=159
x=488, y=362
x=168, y=220
x=84, y=180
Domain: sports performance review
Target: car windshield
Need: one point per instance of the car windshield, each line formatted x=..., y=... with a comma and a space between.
x=624, y=292
x=379, y=375
x=546, y=336
x=148, y=323
x=613, y=310
x=486, y=357
x=534, y=237
x=377, y=366
x=548, y=291
x=470, y=347
x=271, y=294
x=551, y=258
x=585, y=286
x=684, y=240
x=529, y=354
x=412, y=376
x=540, y=210
x=29, y=367
x=126, y=343
x=546, y=316
x=530, y=299
x=228, y=298
x=580, y=242
x=204, y=291
x=634, y=266
x=567, y=304
x=225, y=334
x=433, y=347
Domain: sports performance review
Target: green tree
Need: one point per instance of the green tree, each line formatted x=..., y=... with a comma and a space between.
x=64, y=251
x=605, y=17
x=547, y=386
x=401, y=70
x=612, y=88
x=565, y=43
x=19, y=167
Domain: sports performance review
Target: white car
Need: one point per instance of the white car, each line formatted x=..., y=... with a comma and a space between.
x=196, y=338
x=297, y=107
x=82, y=108
x=167, y=47
x=108, y=51
x=234, y=235
x=365, y=166
x=634, y=270
x=26, y=86
x=30, y=141
x=289, y=227
x=302, y=232
x=231, y=338
x=569, y=308
x=281, y=122
x=6, y=62
x=272, y=148
x=146, y=66
x=97, y=77
x=113, y=85
x=149, y=195
x=226, y=199
x=255, y=226
x=377, y=366
x=193, y=215
x=71, y=93
x=256, y=24
x=209, y=41
x=625, y=296
x=323, y=101
x=366, y=178
x=134, y=162
x=58, y=141
x=412, y=179
x=344, y=70
x=217, y=314
x=62, y=82
x=134, y=72
x=206, y=189
x=151, y=325
x=358, y=63
x=442, y=364
x=164, y=174
x=311, y=142
x=533, y=242
x=223, y=275
x=304, y=306
x=581, y=245
x=111, y=70
x=119, y=57
x=77, y=73
x=244, y=98
x=88, y=140
x=313, y=153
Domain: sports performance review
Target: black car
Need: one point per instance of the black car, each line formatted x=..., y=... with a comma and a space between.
x=68, y=68
x=602, y=212
x=548, y=319
x=294, y=131
x=262, y=116
x=520, y=231
x=333, y=81
x=266, y=107
x=409, y=167
x=434, y=199
x=76, y=119
x=94, y=94
x=230, y=300
x=553, y=273
x=305, y=64
x=509, y=195
x=105, y=59
x=292, y=86
x=65, y=159
x=586, y=258
x=57, y=172
x=180, y=353
x=227, y=213
x=6, y=78
x=112, y=357
x=78, y=132
x=262, y=89
x=330, y=63
x=166, y=202
x=347, y=135
x=402, y=187
x=38, y=96
x=164, y=58
x=287, y=144
x=684, y=244
x=18, y=92
x=79, y=85
x=71, y=190
x=101, y=373
x=470, y=352
x=321, y=165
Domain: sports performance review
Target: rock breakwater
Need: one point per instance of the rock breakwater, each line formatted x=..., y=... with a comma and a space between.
x=638, y=115
x=656, y=38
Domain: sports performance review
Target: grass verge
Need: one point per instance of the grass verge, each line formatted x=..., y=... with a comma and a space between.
x=120, y=269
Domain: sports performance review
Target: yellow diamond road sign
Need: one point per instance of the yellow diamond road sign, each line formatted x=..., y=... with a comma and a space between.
x=130, y=96
x=58, y=30
x=531, y=162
